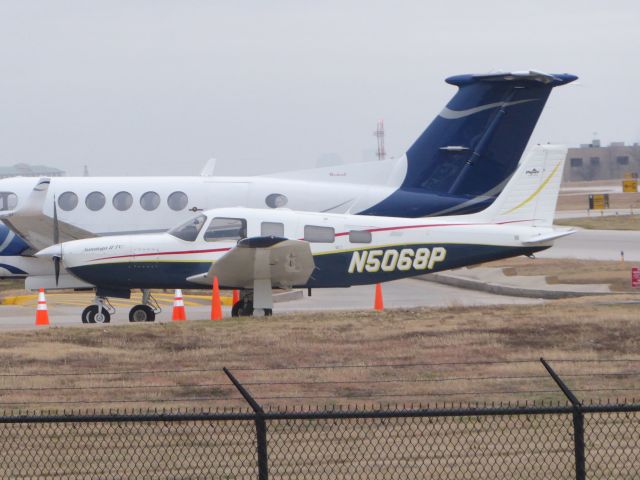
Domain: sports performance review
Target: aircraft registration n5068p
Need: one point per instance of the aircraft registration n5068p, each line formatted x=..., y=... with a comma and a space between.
x=457, y=165
x=256, y=250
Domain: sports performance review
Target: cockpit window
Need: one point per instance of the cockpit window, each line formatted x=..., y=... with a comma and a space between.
x=189, y=230
x=222, y=228
x=8, y=201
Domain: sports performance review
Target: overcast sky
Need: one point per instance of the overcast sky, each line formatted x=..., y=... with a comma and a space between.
x=158, y=87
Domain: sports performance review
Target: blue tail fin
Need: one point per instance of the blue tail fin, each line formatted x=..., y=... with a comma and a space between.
x=476, y=142
x=463, y=158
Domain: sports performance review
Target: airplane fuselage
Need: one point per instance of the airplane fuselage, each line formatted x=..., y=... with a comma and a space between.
x=347, y=250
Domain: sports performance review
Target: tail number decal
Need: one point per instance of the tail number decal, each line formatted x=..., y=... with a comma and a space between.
x=391, y=259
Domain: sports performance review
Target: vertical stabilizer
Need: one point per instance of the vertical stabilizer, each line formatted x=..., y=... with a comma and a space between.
x=530, y=196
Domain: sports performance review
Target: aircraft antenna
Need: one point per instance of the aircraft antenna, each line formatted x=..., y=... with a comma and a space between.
x=379, y=134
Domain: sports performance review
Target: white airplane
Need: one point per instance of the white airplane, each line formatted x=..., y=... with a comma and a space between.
x=257, y=250
x=458, y=165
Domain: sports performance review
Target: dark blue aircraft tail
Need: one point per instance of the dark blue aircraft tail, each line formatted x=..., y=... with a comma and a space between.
x=474, y=144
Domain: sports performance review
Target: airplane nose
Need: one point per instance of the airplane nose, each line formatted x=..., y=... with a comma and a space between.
x=50, y=252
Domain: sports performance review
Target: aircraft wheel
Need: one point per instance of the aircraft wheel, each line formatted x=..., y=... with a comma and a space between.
x=242, y=309
x=268, y=312
x=85, y=314
x=142, y=313
x=92, y=316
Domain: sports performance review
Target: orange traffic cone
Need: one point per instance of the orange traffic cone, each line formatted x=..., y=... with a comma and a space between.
x=216, y=304
x=42, y=314
x=236, y=296
x=378, y=304
x=178, y=307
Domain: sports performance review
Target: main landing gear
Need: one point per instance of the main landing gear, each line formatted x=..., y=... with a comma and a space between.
x=244, y=306
x=101, y=310
x=146, y=312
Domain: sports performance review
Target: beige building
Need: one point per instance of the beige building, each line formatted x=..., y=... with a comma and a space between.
x=596, y=162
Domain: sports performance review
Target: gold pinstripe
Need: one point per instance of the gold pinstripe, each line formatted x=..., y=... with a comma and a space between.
x=537, y=191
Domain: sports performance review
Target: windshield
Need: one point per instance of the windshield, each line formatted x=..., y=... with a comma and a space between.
x=189, y=230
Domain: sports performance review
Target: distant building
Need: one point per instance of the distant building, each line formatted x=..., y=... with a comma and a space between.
x=24, y=170
x=594, y=162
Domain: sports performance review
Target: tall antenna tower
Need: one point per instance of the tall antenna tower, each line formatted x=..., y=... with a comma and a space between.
x=379, y=133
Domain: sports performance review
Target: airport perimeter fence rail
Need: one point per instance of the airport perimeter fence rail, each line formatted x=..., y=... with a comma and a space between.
x=576, y=440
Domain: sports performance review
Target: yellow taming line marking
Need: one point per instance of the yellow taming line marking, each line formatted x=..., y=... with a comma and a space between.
x=536, y=192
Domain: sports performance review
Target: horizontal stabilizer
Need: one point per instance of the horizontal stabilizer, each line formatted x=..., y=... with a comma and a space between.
x=548, y=236
x=284, y=262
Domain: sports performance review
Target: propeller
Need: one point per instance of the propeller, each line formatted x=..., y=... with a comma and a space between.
x=56, y=240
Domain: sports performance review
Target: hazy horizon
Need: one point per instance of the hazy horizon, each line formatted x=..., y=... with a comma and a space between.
x=159, y=87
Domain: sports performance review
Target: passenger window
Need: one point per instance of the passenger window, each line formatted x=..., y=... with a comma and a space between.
x=359, y=236
x=222, y=228
x=274, y=229
x=68, y=201
x=189, y=230
x=313, y=233
x=177, y=201
x=276, y=200
x=150, y=201
x=122, y=201
x=95, y=201
x=8, y=201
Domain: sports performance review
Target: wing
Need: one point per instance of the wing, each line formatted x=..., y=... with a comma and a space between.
x=37, y=229
x=284, y=262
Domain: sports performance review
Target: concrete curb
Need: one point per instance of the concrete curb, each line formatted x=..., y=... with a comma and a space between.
x=498, y=289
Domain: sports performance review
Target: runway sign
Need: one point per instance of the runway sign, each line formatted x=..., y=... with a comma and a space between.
x=635, y=277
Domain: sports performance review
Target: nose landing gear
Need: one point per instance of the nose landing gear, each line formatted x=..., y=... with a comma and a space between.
x=99, y=312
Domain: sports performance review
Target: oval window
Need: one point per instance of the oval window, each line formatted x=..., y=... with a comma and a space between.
x=68, y=201
x=95, y=201
x=122, y=201
x=276, y=200
x=150, y=201
x=177, y=201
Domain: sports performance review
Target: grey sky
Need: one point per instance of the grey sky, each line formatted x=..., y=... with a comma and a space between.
x=157, y=87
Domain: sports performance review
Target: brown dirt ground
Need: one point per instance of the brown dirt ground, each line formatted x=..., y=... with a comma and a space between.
x=580, y=201
x=605, y=222
x=616, y=274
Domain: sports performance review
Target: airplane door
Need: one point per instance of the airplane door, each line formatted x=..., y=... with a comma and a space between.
x=226, y=194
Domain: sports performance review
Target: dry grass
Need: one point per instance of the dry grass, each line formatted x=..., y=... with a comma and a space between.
x=605, y=222
x=454, y=342
x=616, y=274
x=459, y=339
x=580, y=201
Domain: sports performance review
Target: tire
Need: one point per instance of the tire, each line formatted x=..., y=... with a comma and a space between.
x=141, y=313
x=268, y=312
x=85, y=314
x=242, y=309
x=91, y=315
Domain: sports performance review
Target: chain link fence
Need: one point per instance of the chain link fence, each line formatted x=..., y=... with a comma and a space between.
x=539, y=440
x=522, y=443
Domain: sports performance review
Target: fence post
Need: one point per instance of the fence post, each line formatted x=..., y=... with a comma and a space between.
x=261, y=426
x=578, y=422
